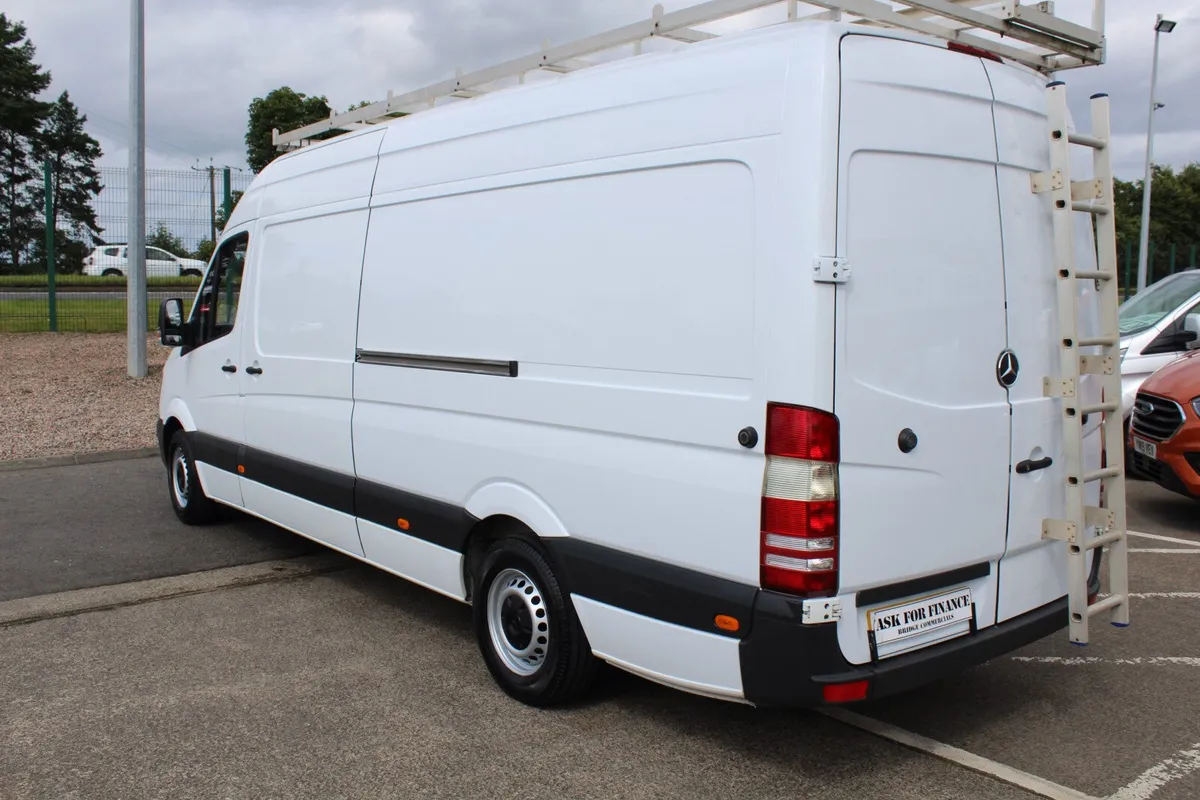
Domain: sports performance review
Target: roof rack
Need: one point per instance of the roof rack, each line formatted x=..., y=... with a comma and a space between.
x=1027, y=33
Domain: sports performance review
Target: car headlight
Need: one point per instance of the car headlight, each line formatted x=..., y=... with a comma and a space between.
x=1196, y=405
x=1124, y=350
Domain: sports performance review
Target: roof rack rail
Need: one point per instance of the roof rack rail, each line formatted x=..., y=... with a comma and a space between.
x=1027, y=33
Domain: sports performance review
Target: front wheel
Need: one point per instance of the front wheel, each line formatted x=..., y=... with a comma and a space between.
x=527, y=629
x=191, y=273
x=191, y=505
x=111, y=272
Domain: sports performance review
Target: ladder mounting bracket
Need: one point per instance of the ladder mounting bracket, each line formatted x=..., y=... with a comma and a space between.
x=1102, y=518
x=1060, y=529
x=1058, y=387
x=831, y=269
x=1041, y=182
x=1087, y=190
x=1096, y=365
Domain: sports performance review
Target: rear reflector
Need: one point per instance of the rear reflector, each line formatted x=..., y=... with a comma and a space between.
x=799, y=521
x=845, y=692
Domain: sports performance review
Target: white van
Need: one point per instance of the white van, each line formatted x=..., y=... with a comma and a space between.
x=1158, y=325
x=723, y=366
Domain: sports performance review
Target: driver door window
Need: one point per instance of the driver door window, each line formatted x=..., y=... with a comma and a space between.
x=216, y=311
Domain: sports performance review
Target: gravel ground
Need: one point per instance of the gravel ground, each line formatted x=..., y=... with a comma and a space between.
x=63, y=393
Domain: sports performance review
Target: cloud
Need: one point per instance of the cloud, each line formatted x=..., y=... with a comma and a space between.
x=206, y=61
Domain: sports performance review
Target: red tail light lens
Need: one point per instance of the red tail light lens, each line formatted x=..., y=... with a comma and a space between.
x=845, y=692
x=801, y=433
x=799, y=523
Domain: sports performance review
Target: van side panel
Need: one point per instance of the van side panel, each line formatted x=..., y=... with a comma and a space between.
x=626, y=299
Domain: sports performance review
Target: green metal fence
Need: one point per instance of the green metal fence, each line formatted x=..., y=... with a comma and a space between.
x=184, y=210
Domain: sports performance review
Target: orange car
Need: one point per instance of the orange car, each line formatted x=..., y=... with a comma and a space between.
x=1164, y=437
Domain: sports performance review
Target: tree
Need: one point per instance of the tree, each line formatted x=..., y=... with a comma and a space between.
x=21, y=118
x=204, y=250
x=163, y=239
x=1174, y=219
x=75, y=181
x=284, y=109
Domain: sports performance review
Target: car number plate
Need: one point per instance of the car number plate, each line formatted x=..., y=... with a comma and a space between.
x=1145, y=448
x=918, y=623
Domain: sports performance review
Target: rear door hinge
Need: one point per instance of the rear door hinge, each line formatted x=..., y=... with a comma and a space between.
x=831, y=269
x=816, y=610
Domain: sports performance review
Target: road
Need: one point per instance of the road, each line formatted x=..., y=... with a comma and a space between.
x=352, y=683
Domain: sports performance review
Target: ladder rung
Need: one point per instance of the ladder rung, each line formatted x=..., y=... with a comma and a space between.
x=1107, y=408
x=1094, y=275
x=1092, y=341
x=1100, y=541
x=1112, y=601
x=1107, y=472
x=1087, y=141
x=1091, y=208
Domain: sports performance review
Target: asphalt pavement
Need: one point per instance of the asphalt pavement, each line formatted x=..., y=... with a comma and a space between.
x=352, y=683
x=72, y=527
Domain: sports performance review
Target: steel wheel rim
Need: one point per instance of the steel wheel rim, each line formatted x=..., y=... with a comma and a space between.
x=518, y=622
x=180, y=480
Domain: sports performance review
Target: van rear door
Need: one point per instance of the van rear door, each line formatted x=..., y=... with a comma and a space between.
x=1033, y=571
x=920, y=328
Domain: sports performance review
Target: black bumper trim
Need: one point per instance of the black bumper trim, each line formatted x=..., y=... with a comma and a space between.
x=928, y=583
x=785, y=663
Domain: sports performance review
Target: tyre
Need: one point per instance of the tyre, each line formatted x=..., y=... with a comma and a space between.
x=111, y=271
x=527, y=629
x=191, y=273
x=187, y=497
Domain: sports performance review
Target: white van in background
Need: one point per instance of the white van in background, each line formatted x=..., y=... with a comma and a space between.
x=586, y=355
x=1158, y=325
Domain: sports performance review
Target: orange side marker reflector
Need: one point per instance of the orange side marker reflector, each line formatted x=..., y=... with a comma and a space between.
x=726, y=622
x=241, y=470
x=402, y=524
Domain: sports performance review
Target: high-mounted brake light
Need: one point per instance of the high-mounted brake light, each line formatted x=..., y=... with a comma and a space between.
x=799, y=525
x=978, y=52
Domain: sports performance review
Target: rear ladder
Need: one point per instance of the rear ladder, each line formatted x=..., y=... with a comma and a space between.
x=1094, y=197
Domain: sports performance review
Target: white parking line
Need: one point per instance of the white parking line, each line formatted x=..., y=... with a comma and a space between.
x=1184, y=550
x=1168, y=595
x=985, y=766
x=1162, y=773
x=1190, y=542
x=1073, y=661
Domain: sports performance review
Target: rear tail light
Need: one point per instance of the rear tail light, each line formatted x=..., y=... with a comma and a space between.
x=845, y=692
x=799, y=525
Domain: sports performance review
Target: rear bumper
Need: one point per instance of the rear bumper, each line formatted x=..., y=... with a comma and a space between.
x=785, y=663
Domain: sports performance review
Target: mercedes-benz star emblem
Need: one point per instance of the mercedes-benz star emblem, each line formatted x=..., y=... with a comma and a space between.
x=1007, y=368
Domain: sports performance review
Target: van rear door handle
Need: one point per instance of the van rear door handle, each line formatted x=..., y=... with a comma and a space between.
x=1029, y=465
x=254, y=370
x=229, y=368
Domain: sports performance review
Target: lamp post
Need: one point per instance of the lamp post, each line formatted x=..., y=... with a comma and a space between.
x=135, y=288
x=1161, y=26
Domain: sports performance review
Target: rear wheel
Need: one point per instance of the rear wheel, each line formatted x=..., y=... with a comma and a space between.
x=191, y=273
x=191, y=505
x=527, y=629
x=111, y=271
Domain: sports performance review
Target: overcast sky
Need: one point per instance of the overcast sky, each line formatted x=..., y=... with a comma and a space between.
x=206, y=60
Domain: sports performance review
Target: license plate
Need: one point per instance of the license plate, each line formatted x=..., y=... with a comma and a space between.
x=917, y=623
x=1145, y=448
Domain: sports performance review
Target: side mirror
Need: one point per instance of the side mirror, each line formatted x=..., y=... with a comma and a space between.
x=1190, y=335
x=171, y=328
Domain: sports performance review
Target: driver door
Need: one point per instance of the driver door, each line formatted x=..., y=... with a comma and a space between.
x=211, y=372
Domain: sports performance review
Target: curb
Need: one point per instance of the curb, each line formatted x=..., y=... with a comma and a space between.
x=76, y=459
x=25, y=610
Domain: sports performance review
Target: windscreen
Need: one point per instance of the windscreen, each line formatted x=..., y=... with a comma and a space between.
x=1147, y=308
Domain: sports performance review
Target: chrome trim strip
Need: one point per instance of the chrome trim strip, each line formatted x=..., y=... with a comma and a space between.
x=475, y=366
